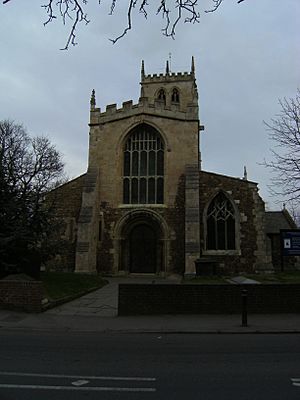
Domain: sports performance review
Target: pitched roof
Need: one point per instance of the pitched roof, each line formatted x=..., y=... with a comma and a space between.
x=276, y=220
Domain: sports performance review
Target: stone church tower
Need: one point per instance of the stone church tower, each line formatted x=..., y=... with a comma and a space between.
x=132, y=217
x=145, y=206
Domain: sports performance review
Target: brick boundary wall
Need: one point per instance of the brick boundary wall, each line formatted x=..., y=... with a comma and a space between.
x=21, y=295
x=150, y=299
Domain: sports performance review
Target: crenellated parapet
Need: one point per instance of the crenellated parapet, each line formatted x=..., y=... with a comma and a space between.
x=168, y=95
x=129, y=109
x=168, y=77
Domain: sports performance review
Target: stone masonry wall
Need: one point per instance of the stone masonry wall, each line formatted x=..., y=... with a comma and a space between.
x=106, y=151
x=207, y=299
x=241, y=193
x=108, y=131
x=66, y=202
x=174, y=217
x=21, y=295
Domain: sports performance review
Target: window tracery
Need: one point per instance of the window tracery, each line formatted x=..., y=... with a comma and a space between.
x=143, y=175
x=220, y=223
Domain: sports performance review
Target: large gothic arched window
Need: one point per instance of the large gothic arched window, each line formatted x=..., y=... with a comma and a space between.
x=220, y=222
x=143, y=173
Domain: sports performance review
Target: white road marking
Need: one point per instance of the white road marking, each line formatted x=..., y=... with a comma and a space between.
x=90, y=389
x=295, y=381
x=80, y=382
x=107, y=378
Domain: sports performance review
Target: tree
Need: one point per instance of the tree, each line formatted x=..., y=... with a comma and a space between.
x=29, y=168
x=75, y=12
x=284, y=131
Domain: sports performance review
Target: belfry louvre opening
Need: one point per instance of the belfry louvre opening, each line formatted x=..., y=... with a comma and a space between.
x=143, y=178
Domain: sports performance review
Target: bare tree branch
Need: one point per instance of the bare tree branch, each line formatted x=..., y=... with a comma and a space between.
x=74, y=11
x=217, y=4
x=284, y=131
x=68, y=9
x=131, y=5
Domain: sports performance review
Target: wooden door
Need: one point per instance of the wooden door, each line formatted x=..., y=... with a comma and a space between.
x=143, y=250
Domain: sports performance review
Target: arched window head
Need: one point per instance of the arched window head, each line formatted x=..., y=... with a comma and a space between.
x=161, y=96
x=143, y=167
x=175, y=96
x=220, y=221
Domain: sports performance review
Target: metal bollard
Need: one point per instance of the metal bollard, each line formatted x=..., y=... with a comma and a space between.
x=244, y=307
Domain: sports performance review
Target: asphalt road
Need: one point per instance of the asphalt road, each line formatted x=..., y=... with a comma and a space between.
x=39, y=365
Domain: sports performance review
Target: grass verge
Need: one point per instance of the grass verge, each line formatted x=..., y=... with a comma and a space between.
x=209, y=279
x=59, y=285
x=278, y=277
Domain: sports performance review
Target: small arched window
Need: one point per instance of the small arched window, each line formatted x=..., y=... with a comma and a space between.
x=161, y=96
x=143, y=174
x=175, y=96
x=220, y=222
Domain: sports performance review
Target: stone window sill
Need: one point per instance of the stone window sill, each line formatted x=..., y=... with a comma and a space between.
x=142, y=206
x=221, y=252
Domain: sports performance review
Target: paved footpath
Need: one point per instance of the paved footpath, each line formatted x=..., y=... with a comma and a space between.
x=97, y=312
x=101, y=303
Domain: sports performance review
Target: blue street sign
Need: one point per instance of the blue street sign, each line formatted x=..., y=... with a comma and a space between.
x=290, y=242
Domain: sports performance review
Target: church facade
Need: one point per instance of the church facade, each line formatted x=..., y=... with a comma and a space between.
x=145, y=206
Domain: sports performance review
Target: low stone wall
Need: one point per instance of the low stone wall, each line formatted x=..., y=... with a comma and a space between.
x=21, y=295
x=150, y=299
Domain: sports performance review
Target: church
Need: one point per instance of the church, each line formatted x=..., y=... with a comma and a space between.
x=145, y=206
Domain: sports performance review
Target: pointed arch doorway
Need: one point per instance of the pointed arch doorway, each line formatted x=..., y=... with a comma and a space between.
x=142, y=249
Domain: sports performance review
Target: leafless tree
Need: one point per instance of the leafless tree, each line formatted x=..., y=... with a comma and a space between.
x=29, y=168
x=284, y=131
x=172, y=11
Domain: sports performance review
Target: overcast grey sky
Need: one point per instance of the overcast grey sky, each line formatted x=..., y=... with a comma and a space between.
x=246, y=55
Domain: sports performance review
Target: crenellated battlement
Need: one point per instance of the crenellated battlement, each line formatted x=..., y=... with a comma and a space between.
x=170, y=95
x=169, y=77
x=129, y=109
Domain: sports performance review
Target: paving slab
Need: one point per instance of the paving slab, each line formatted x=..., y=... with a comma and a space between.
x=102, y=302
x=242, y=280
x=168, y=324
